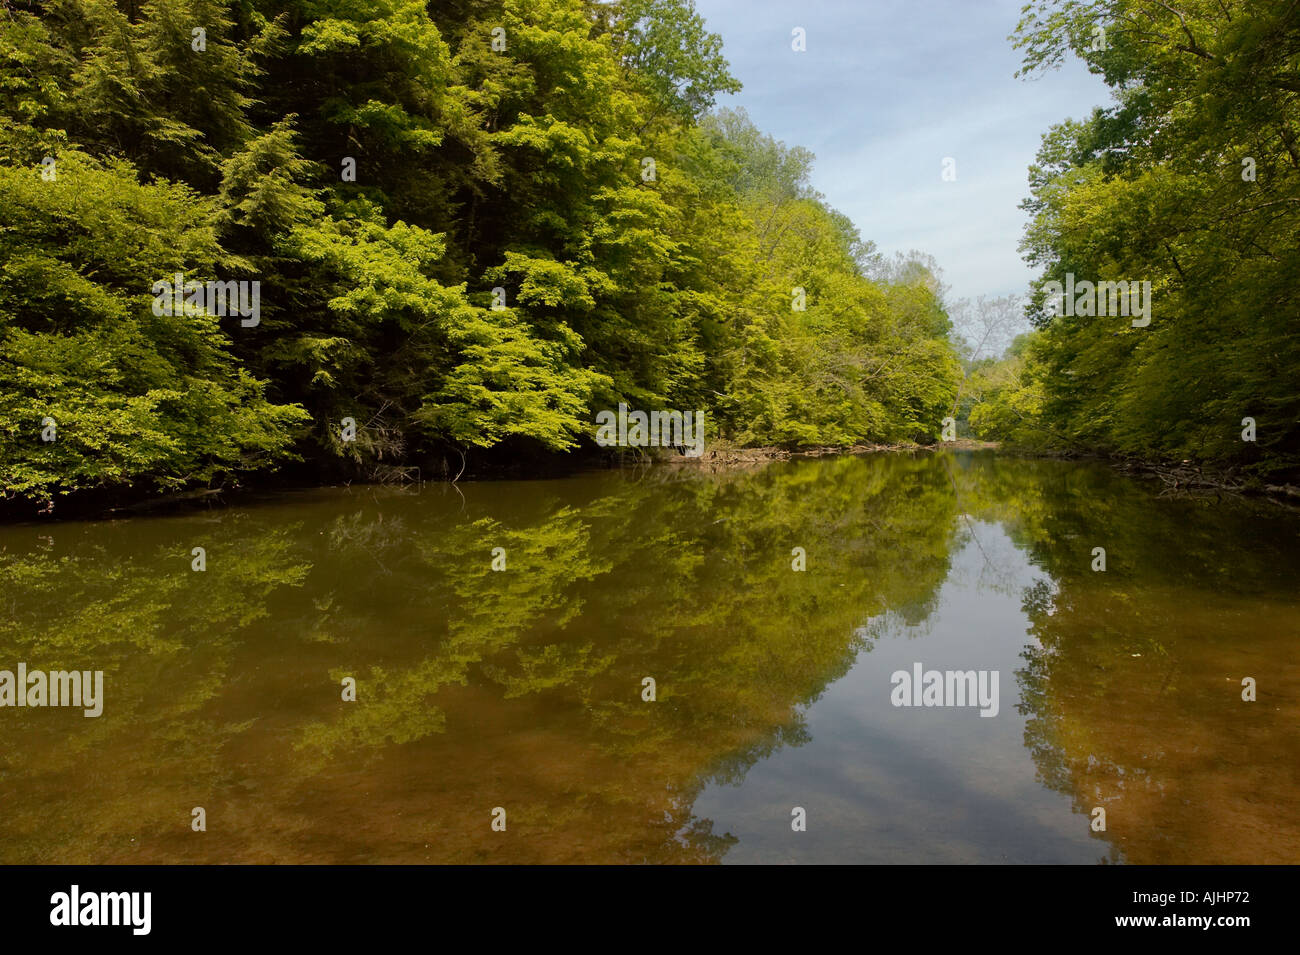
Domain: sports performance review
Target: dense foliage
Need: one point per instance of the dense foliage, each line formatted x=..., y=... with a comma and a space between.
x=1190, y=181
x=474, y=223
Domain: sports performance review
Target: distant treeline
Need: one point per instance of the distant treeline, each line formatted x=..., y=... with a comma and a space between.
x=1191, y=182
x=458, y=225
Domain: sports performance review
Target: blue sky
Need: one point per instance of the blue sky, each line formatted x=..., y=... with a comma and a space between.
x=885, y=91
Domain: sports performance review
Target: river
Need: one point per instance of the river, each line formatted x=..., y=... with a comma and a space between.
x=501, y=636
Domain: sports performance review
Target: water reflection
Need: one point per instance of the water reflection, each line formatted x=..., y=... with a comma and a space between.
x=522, y=687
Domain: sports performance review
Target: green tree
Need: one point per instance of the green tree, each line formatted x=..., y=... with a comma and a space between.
x=1190, y=182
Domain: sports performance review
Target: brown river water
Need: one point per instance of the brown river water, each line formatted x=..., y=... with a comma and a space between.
x=773, y=735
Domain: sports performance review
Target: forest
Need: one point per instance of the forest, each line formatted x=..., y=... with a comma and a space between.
x=472, y=225
x=460, y=231
x=1190, y=180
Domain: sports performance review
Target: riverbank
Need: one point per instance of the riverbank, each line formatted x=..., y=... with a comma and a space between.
x=512, y=463
x=1186, y=477
x=725, y=457
x=1181, y=478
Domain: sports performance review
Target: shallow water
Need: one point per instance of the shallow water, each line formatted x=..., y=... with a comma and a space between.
x=522, y=688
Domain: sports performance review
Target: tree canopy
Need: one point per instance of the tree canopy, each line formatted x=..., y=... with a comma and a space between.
x=1189, y=181
x=472, y=224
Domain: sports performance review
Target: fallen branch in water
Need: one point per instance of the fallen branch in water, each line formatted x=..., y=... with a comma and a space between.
x=1184, y=477
x=1187, y=477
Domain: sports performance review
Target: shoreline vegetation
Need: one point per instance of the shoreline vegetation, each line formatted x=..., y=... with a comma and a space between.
x=727, y=458
x=1183, y=478
x=367, y=242
x=414, y=242
x=1187, y=185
